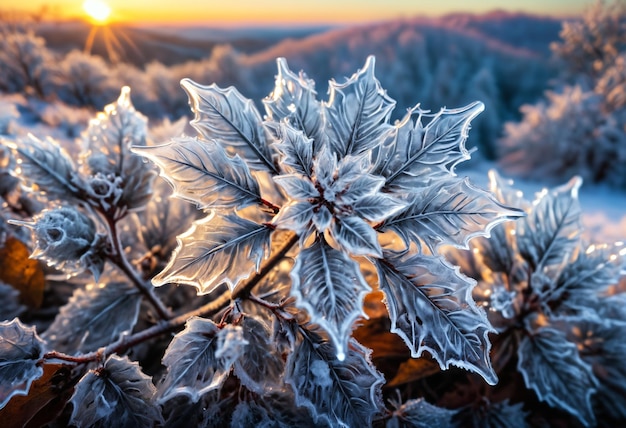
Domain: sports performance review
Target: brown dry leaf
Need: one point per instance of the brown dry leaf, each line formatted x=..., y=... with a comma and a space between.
x=24, y=274
x=374, y=333
x=46, y=398
x=413, y=369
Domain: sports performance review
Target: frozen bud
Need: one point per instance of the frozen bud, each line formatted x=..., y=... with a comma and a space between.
x=502, y=301
x=105, y=188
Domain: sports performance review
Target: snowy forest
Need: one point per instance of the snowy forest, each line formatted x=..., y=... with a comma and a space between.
x=413, y=223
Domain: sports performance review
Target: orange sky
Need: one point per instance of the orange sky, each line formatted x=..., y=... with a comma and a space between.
x=285, y=12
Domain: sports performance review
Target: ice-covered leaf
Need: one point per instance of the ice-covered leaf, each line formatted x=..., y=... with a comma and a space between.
x=378, y=207
x=108, y=141
x=260, y=366
x=330, y=287
x=355, y=236
x=431, y=307
x=117, y=394
x=296, y=150
x=297, y=216
x=45, y=166
x=452, y=212
x=293, y=98
x=11, y=306
x=217, y=249
x=419, y=413
x=202, y=172
x=20, y=352
x=232, y=120
x=297, y=186
x=193, y=361
x=552, y=367
x=339, y=393
x=414, y=154
x=548, y=236
x=94, y=317
x=357, y=112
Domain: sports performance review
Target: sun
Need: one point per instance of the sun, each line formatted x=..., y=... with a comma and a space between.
x=97, y=10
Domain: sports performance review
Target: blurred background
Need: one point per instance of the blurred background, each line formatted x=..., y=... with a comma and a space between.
x=552, y=73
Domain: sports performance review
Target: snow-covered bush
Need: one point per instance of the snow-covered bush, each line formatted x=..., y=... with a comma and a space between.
x=581, y=127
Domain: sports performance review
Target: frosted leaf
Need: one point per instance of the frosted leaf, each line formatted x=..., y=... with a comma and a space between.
x=297, y=216
x=45, y=166
x=339, y=393
x=493, y=415
x=217, y=249
x=297, y=187
x=547, y=238
x=552, y=367
x=11, y=306
x=330, y=287
x=118, y=394
x=20, y=352
x=378, y=207
x=94, y=317
x=202, y=172
x=293, y=98
x=431, y=308
x=260, y=367
x=414, y=154
x=501, y=300
x=233, y=121
x=193, y=365
x=108, y=142
x=296, y=149
x=452, y=212
x=355, y=236
x=419, y=413
x=357, y=112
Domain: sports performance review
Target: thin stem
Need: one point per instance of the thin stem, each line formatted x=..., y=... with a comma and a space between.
x=119, y=259
x=169, y=324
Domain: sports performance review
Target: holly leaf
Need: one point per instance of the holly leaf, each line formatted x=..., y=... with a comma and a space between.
x=419, y=413
x=232, y=120
x=357, y=112
x=452, y=213
x=431, y=308
x=201, y=172
x=260, y=367
x=117, y=394
x=296, y=149
x=552, y=367
x=44, y=166
x=217, y=249
x=195, y=360
x=551, y=232
x=339, y=393
x=94, y=317
x=329, y=286
x=415, y=154
x=20, y=352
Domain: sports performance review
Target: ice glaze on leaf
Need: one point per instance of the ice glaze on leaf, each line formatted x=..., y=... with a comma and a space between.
x=452, y=212
x=547, y=237
x=419, y=413
x=293, y=98
x=414, y=154
x=340, y=393
x=355, y=236
x=552, y=367
x=260, y=367
x=493, y=415
x=357, y=112
x=296, y=149
x=118, y=394
x=202, y=172
x=45, y=166
x=20, y=351
x=232, y=120
x=330, y=287
x=194, y=366
x=217, y=249
x=431, y=307
x=94, y=317
x=11, y=306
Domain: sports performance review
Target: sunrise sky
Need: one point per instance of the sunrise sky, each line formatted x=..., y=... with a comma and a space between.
x=287, y=12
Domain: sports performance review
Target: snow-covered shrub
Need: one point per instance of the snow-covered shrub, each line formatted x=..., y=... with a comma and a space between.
x=300, y=215
x=551, y=297
x=581, y=127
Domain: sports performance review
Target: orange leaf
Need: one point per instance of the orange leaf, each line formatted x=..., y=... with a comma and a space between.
x=414, y=369
x=24, y=274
